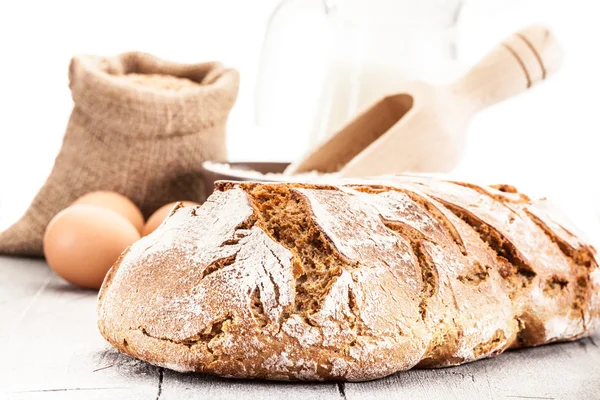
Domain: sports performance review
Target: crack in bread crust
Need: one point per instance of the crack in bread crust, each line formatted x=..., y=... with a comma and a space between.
x=498, y=242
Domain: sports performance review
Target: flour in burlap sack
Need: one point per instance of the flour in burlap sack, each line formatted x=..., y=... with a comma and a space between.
x=133, y=135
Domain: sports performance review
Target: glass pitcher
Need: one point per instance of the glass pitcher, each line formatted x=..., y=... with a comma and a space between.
x=325, y=60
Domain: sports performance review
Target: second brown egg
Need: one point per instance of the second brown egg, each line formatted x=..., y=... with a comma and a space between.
x=117, y=203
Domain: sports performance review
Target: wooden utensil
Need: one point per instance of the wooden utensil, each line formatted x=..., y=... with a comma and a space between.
x=422, y=129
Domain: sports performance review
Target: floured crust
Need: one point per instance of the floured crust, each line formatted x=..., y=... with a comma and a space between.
x=349, y=282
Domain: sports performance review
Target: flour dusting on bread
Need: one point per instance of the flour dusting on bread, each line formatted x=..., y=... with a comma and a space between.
x=352, y=281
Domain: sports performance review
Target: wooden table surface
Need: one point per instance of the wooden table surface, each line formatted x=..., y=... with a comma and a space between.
x=51, y=349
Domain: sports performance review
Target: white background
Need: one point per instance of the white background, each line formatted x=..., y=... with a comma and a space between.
x=544, y=141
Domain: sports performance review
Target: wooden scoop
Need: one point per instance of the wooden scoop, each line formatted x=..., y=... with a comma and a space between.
x=422, y=129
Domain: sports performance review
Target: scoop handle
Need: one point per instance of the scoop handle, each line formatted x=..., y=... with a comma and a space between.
x=518, y=63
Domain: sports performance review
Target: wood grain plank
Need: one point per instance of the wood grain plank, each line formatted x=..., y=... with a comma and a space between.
x=52, y=346
x=21, y=280
x=557, y=371
x=178, y=386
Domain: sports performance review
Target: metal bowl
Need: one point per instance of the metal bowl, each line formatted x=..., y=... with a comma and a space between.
x=213, y=171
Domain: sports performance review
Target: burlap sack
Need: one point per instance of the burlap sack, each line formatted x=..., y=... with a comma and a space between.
x=141, y=141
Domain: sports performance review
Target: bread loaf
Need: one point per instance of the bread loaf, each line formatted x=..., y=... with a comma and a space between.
x=348, y=282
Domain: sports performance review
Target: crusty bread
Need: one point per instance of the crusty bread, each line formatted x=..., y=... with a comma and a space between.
x=348, y=282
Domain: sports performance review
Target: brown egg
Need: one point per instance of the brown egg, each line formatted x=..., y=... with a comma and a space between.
x=159, y=216
x=82, y=242
x=117, y=203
